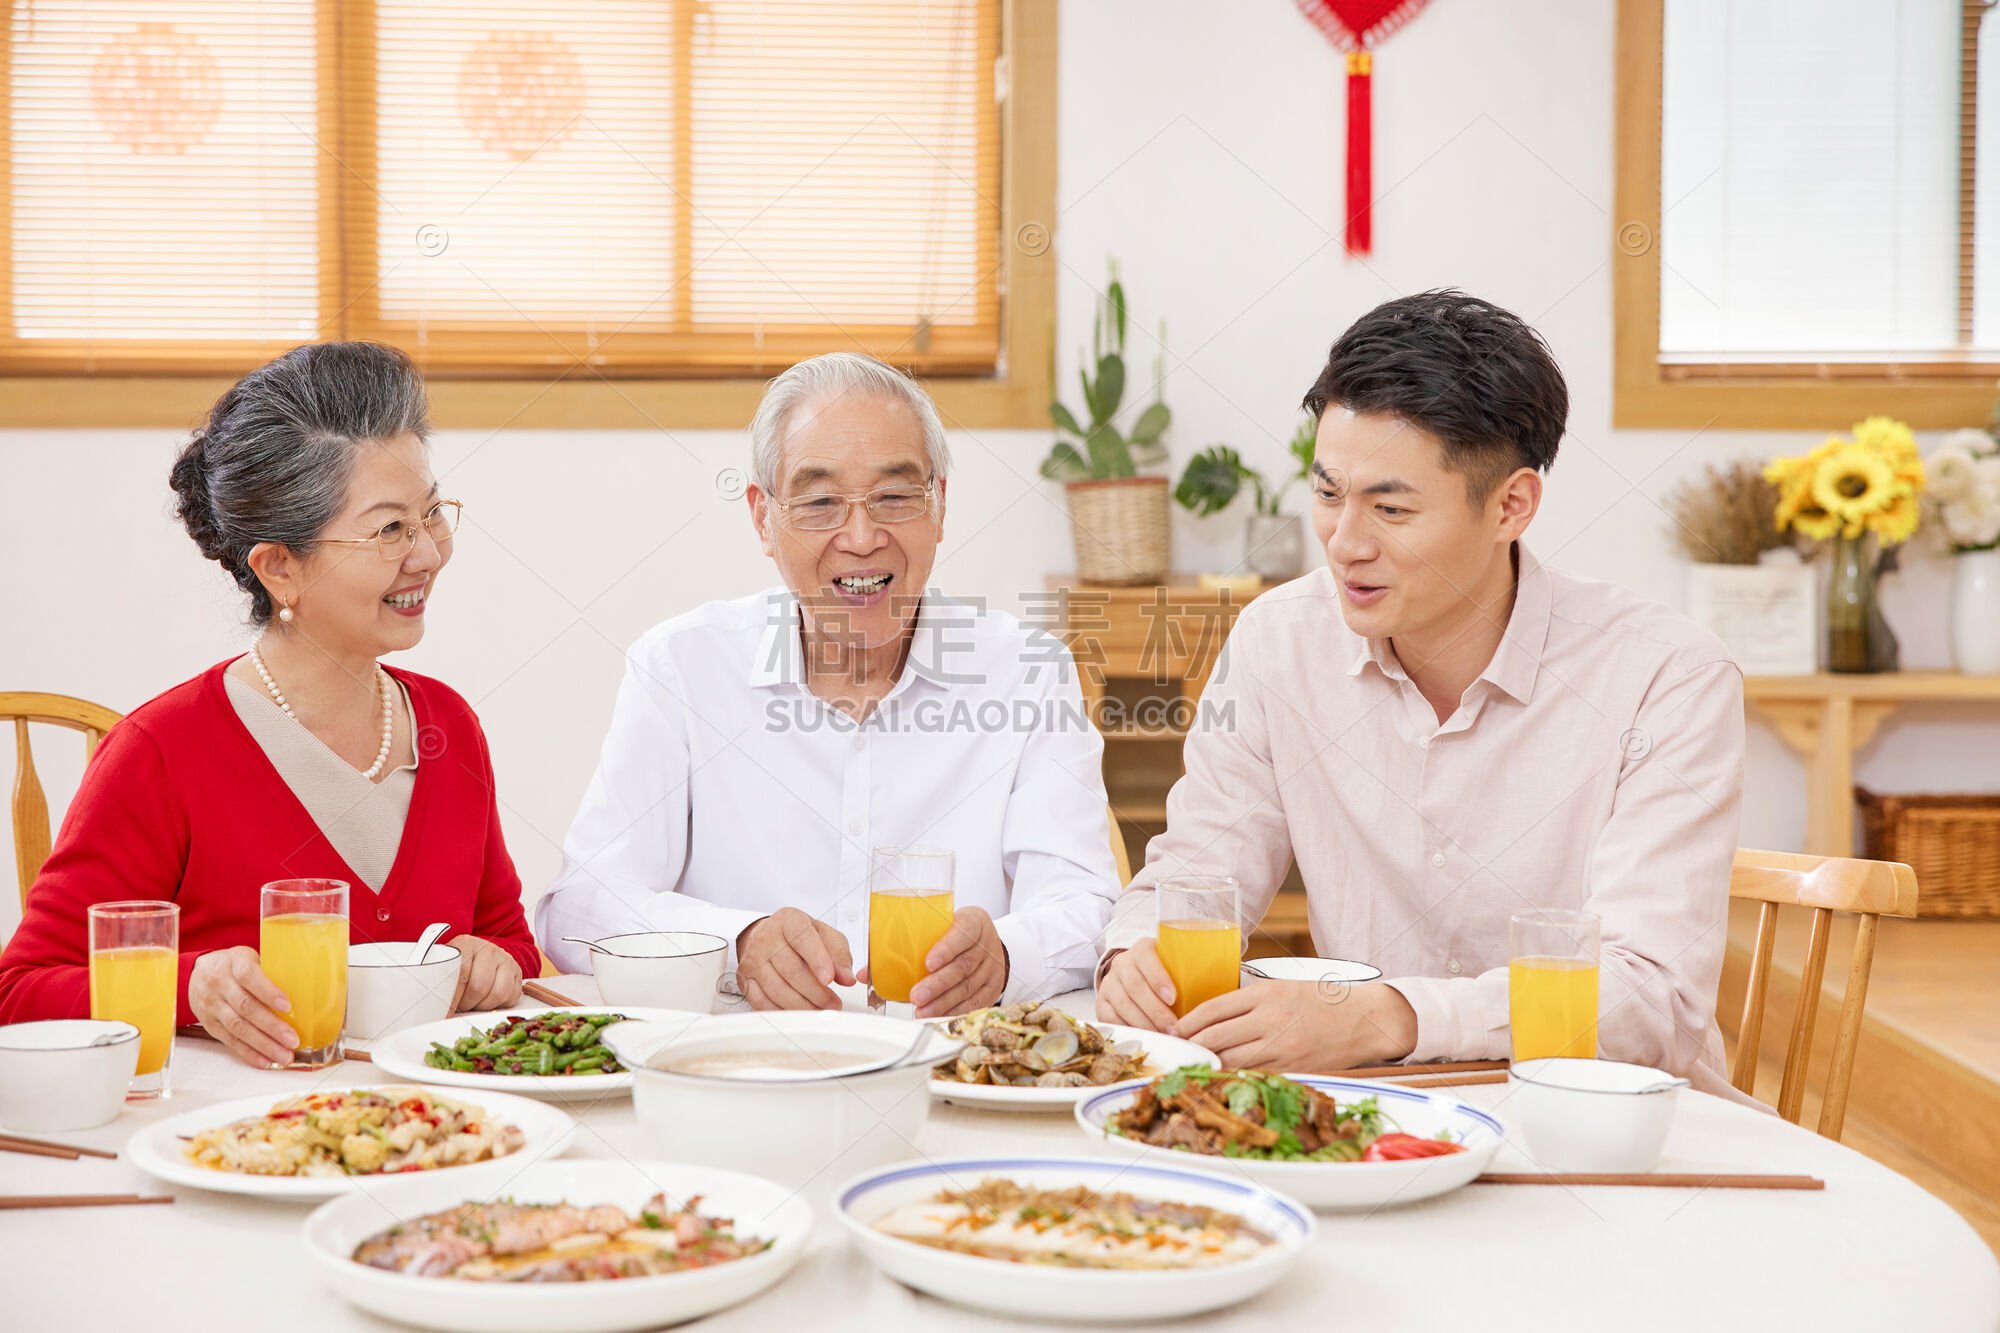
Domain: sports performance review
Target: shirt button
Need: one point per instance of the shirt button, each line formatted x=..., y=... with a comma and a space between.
x=852, y=913
x=854, y=827
x=859, y=745
x=1424, y=744
x=1437, y=859
x=1453, y=967
x=381, y=914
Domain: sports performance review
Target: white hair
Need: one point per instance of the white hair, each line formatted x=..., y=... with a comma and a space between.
x=834, y=375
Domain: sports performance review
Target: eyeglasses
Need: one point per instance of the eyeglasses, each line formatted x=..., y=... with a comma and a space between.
x=823, y=511
x=398, y=537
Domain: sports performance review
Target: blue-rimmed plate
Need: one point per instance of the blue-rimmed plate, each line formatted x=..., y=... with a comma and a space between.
x=1335, y=1184
x=1074, y=1295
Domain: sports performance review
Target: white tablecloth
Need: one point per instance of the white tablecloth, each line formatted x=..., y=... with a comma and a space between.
x=1873, y=1251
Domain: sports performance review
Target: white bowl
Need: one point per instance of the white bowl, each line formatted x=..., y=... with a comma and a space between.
x=660, y=969
x=757, y=1207
x=385, y=992
x=1332, y=971
x=1333, y=1185
x=802, y=1133
x=65, y=1073
x=1592, y=1115
x=1071, y=1295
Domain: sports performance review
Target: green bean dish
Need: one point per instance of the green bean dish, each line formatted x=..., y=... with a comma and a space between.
x=555, y=1045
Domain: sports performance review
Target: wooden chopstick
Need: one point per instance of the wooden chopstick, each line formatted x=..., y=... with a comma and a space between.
x=37, y=1150
x=78, y=1200
x=1443, y=1067
x=536, y=990
x=355, y=1053
x=1670, y=1181
x=1454, y=1080
x=78, y=1149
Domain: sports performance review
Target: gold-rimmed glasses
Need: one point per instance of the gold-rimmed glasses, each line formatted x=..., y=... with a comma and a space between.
x=398, y=537
x=823, y=511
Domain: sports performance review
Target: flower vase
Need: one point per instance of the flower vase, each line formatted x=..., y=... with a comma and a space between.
x=1858, y=637
x=1975, y=612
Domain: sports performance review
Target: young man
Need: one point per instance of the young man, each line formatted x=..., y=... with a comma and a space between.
x=1443, y=732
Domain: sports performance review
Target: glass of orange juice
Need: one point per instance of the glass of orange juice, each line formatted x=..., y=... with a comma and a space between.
x=909, y=910
x=303, y=948
x=1200, y=937
x=1552, y=983
x=135, y=978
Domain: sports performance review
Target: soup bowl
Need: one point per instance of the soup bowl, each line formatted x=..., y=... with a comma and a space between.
x=659, y=969
x=766, y=1093
x=65, y=1073
x=1592, y=1115
x=385, y=991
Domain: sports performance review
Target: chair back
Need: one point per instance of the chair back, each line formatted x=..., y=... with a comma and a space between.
x=1870, y=890
x=31, y=803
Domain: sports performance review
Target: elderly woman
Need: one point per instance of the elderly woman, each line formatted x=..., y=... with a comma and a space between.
x=760, y=748
x=303, y=758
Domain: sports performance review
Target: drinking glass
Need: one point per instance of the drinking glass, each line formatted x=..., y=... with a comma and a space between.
x=135, y=977
x=910, y=906
x=1200, y=937
x=1552, y=983
x=303, y=948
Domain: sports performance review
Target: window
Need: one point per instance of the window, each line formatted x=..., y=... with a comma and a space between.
x=1802, y=206
x=630, y=189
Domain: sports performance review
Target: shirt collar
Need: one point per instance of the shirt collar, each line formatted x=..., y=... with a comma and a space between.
x=1517, y=661
x=943, y=624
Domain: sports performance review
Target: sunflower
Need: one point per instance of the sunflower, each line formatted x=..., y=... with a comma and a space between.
x=1897, y=523
x=1868, y=481
x=1854, y=482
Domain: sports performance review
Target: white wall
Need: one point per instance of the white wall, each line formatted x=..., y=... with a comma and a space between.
x=1201, y=144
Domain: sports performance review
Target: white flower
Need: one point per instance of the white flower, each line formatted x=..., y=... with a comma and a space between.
x=1972, y=521
x=1949, y=471
x=1978, y=443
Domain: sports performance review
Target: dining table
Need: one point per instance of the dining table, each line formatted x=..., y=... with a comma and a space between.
x=1871, y=1251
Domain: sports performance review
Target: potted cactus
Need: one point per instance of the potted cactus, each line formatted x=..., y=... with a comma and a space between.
x=1118, y=517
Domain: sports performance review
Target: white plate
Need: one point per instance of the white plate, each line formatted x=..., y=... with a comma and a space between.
x=158, y=1150
x=757, y=1208
x=1163, y=1053
x=401, y=1055
x=1335, y=1184
x=1070, y=1295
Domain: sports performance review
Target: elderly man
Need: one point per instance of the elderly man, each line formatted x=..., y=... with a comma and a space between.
x=761, y=748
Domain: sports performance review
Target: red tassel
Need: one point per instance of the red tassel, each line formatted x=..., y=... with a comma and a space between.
x=1360, y=136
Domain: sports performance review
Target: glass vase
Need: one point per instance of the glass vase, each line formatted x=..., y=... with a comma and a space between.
x=1858, y=637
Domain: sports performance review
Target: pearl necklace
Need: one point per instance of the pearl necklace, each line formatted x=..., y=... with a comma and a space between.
x=388, y=709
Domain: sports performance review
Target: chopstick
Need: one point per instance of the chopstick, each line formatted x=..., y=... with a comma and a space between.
x=355, y=1053
x=78, y=1200
x=536, y=990
x=36, y=1150
x=1443, y=1067
x=1681, y=1181
x=17, y=1142
x=1454, y=1080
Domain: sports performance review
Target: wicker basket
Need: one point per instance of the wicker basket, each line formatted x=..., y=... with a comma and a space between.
x=1952, y=842
x=1121, y=529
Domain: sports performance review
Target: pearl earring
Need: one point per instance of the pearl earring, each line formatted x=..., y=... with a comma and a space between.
x=285, y=613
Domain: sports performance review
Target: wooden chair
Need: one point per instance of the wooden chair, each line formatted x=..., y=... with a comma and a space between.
x=1827, y=884
x=30, y=804
x=1119, y=855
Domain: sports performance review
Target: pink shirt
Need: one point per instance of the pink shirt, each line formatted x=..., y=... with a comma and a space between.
x=1596, y=763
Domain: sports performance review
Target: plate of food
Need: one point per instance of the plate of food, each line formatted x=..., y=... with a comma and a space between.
x=1085, y=1237
x=1333, y=1142
x=584, y=1246
x=553, y=1053
x=322, y=1144
x=1035, y=1057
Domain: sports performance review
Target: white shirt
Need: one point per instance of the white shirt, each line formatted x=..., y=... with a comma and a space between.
x=727, y=790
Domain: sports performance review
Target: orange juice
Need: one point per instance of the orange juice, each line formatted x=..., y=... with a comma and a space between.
x=902, y=928
x=1204, y=959
x=1552, y=1003
x=305, y=956
x=138, y=986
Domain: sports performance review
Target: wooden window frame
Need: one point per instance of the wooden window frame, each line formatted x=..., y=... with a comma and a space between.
x=579, y=395
x=1940, y=392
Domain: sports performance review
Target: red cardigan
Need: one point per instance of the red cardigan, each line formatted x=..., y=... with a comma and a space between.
x=181, y=803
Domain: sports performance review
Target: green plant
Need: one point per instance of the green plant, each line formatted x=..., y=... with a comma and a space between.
x=1214, y=477
x=1101, y=451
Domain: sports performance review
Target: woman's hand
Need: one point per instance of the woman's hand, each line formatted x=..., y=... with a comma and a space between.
x=488, y=976
x=239, y=1006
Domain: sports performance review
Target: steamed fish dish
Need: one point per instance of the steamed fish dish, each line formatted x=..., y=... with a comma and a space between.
x=1037, y=1046
x=556, y=1242
x=366, y=1132
x=1074, y=1228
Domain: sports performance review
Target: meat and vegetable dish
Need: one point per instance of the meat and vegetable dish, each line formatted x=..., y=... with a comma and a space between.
x=365, y=1132
x=1037, y=1046
x=1246, y=1113
x=554, y=1044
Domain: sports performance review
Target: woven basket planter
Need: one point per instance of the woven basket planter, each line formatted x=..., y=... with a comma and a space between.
x=1121, y=529
x=1952, y=842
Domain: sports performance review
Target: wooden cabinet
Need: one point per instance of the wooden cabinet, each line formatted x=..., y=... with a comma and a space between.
x=1143, y=655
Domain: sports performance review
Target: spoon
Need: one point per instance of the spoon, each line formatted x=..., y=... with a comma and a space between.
x=591, y=945
x=432, y=933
